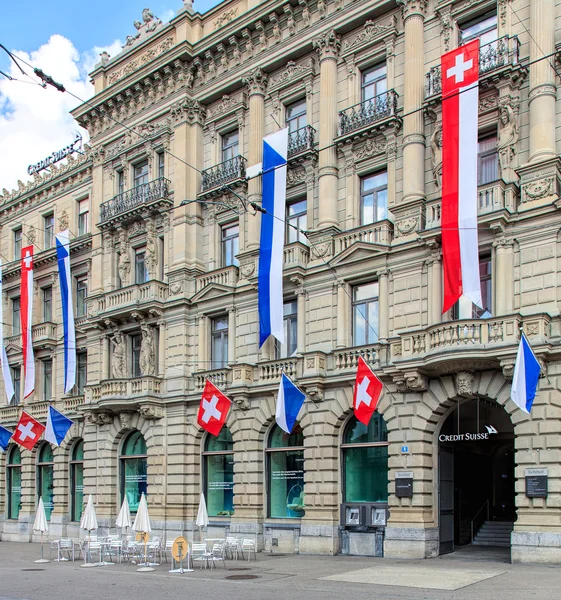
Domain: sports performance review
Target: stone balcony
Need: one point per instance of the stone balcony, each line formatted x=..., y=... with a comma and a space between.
x=67, y=404
x=301, y=143
x=221, y=378
x=230, y=173
x=44, y=335
x=127, y=300
x=296, y=257
x=147, y=198
x=124, y=394
x=346, y=359
x=380, y=233
x=228, y=276
x=496, y=59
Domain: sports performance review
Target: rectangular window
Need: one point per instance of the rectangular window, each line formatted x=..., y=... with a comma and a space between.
x=84, y=216
x=161, y=164
x=290, y=324
x=464, y=307
x=230, y=245
x=141, y=173
x=296, y=222
x=81, y=295
x=47, y=379
x=296, y=116
x=373, y=82
x=18, y=235
x=81, y=372
x=16, y=314
x=365, y=314
x=484, y=28
x=16, y=380
x=230, y=145
x=219, y=343
x=49, y=227
x=374, y=198
x=47, y=303
x=487, y=159
x=140, y=270
x=120, y=182
x=136, y=346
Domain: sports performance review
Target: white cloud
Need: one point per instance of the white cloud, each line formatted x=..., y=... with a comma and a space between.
x=167, y=15
x=34, y=121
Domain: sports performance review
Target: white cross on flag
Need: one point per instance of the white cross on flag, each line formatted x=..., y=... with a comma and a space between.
x=367, y=392
x=27, y=431
x=213, y=409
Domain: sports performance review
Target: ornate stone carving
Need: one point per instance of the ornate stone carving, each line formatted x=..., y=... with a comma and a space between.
x=306, y=14
x=436, y=154
x=291, y=21
x=125, y=419
x=102, y=418
x=151, y=412
x=328, y=45
x=508, y=134
x=446, y=26
x=371, y=31
x=249, y=45
x=256, y=82
x=124, y=265
x=188, y=110
x=411, y=8
x=536, y=190
x=411, y=381
x=236, y=52
x=464, y=384
x=322, y=250
x=241, y=401
x=118, y=356
x=314, y=393
x=147, y=351
x=151, y=252
x=322, y=9
x=247, y=269
x=503, y=11
x=225, y=17
x=63, y=221
x=407, y=226
x=292, y=72
x=277, y=33
x=148, y=24
x=260, y=28
x=175, y=287
x=211, y=64
x=295, y=176
x=371, y=147
x=227, y=104
x=31, y=234
x=508, y=369
x=223, y=58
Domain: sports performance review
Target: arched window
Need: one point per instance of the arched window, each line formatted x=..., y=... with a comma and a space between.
x=134, y=478
x=77, y=480
x=13, y=476
x=218, y=461
x=285, y=473
x=45, y=478
x=365, y=461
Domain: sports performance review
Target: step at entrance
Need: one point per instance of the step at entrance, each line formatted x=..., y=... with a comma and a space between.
x=494, y=533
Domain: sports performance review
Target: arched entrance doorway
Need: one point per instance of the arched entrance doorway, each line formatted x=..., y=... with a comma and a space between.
x=476, y=476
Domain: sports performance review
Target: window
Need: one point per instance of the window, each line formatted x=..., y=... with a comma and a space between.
x=230, y=145
x=487, y=159
x=365, y=461
x=464, y=307
x=47, y=379
x=83, y=216
x=140, y=271
x=47, y=303
x=120, y=182
x=374, y=198
x=16, y=314
x=218, y=467
x=285, y=473
x=219, y=343
x=230, y=245
x=13, y=480
x=45, y=478
x=365, y=314
x=484, y=28
x=373, y=82
x=290, y=323
x=49, y=227
x=133, y=463
x=161, y=164
x=136, y=347
x=16, y=380
x=77, y=481
x=18, y=236
x=141, y=173
x=81, y=373
x=296, y=116
x=81, y=295
x=296, y=222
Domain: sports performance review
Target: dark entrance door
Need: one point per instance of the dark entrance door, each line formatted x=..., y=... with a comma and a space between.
x=446, y=499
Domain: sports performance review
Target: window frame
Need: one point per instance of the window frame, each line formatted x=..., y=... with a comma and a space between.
x=120, y=182
x=81, y=285
x=135, y=341
x=297, y=118
x=207, y=453
x=462, y=39
x=222, y=336
x=16, y=320
x=41, y=468
x=49, y=231
x=11, y=466
x=79, y=391
x=83, y=216
x=140, y=178
x=47, y=379
x=367, y=302
x=138, y=252
x=298, y=220
x=47, y=303
x=476, y=312
x=485, y=154
x=227, y=149
x=287, y=319
x=364, y=86
x=122, y=460
x=375, y=193
x=73, y=464
x=18, y=242
x=16, y=369
x=230, y=243
x=161, y=164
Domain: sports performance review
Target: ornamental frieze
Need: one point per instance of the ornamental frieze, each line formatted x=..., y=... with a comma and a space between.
x=292, y=72
x=372, y=31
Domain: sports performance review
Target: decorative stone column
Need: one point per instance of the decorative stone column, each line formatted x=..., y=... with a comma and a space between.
x=343, y=316
x=204, y=335
x=503, y=277
x=161, y=370
x=328, y=47
x=232, y=339
x=300, y=320
x=105, y=356
x=96, y=282
x=434, y=287
x=383, y=305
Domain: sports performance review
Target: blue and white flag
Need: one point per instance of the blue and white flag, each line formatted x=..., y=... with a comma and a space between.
x=57, y=426
x=5, y=437
x=526, y=375
x=63, y=257
x=271, y=249
x=6, y=375
x=289, y=403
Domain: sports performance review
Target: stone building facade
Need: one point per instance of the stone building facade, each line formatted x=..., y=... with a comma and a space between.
x=168, y=262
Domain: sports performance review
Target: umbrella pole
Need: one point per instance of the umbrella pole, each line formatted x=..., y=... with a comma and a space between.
x=42, y=560
x=146, y=567
x=87, y=551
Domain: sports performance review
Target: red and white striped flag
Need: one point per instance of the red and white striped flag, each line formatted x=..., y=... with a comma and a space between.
x=26, y=316
x=460, y=105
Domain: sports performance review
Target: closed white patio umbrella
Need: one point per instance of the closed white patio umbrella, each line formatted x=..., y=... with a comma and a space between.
x=142, y=525
x=202, y=514
x=88, y=523
x=41, y=524
x=124, y=518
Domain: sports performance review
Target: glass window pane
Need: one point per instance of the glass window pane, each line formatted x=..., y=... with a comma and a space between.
x=366, y=474
x=14, y=492
x=134, y=480
x=358, y=433
x=45, y=487
x=280, y=439
x=366, y=291
x=286, y=484
x=77, y=482
x=221, y=443
x=135, y=445
x=219, y=479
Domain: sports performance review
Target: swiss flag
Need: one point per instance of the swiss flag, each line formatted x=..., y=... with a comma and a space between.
x=213, y=409
x=367, y=392
x=27, y=431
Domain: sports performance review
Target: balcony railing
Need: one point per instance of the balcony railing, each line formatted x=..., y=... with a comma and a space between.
x=141, y=195
x=273, y=369
x=223, y=173
x=380, y=232
x=138, y=386
x=227, y=276
x=348, y=357
x=220, y=377
x=492, y=56
x=296, y=254
x=368, y=112
x=301, y=140
x=131, y=297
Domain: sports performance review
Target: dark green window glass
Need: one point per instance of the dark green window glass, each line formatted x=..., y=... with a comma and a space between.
x=285, y=466
x=134, y=466
x=218, y=461
x=77, y=481
x=14, y=483
x=45, y=478
x=365, y=461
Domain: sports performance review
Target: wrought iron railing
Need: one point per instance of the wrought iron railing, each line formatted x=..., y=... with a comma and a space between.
x=301, y=140
x=223, y=173
x=368, y=112
x=494, y=55
x=145, y=193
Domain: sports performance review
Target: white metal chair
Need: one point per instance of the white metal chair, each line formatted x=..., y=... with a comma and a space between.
x=116, y=548
x=167, y=549
x=200, y=553
x=248, y=545
x=92, y=547
x=65, y=546
x=232, y=547
x=219, y=552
